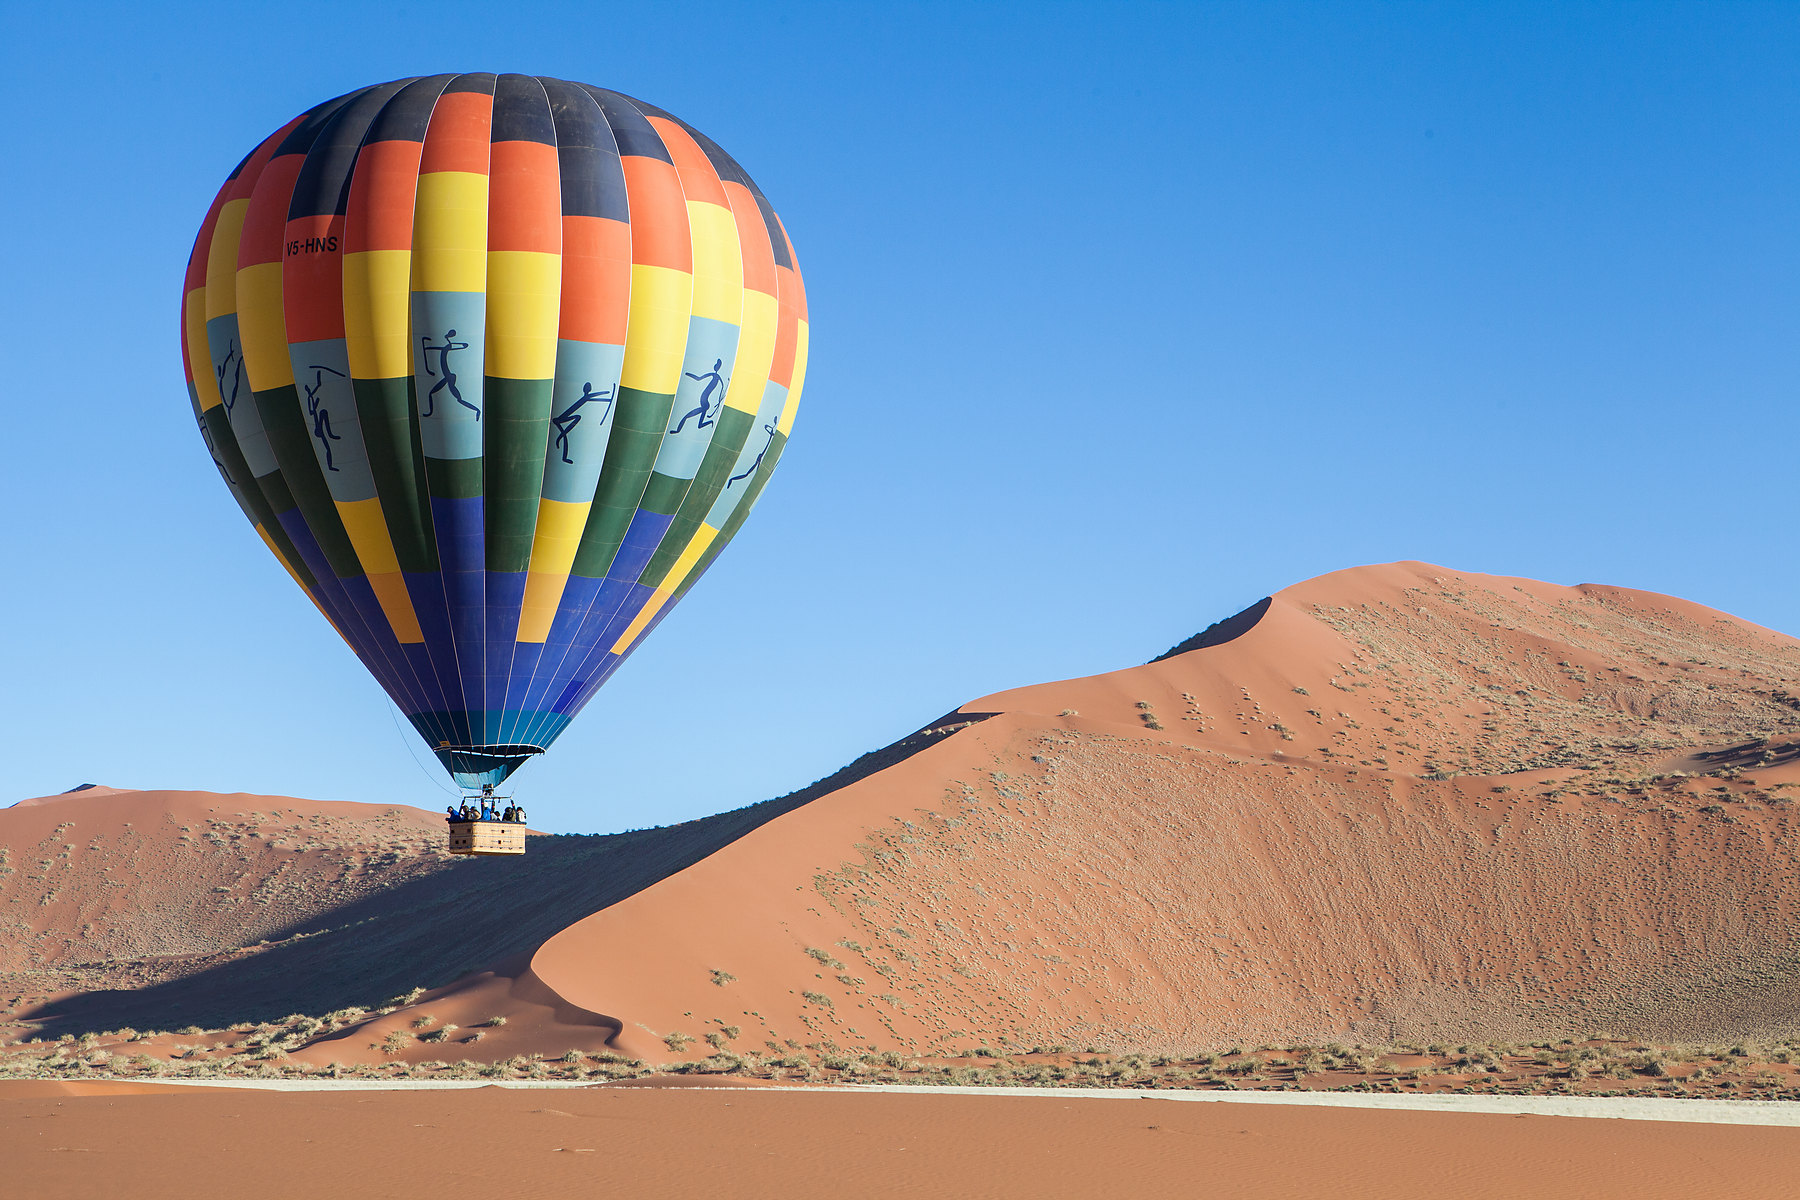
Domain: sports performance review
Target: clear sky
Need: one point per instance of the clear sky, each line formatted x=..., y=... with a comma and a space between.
x=1123, y=316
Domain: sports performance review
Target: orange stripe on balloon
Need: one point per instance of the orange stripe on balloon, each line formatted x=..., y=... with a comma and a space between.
x=312, y=276
x=659, y=227
x=787, y=327
x=457, y=138
x=525, y=198
x=699, y=179
x=265, y=222
x=596, y=280
x=799, y=283
x=382, y=191
x=753, y=239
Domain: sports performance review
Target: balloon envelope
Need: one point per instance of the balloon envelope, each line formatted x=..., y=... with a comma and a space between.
x=496, y=366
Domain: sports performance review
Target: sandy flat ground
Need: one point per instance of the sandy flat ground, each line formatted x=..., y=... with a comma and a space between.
x=1779, y=1113
x=80, y=1140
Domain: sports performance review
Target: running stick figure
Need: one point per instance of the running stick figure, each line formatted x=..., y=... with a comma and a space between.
x=566, y=420
x=714, y=382
x=447, y=376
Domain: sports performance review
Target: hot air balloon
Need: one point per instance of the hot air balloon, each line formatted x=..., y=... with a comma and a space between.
x=496, y=365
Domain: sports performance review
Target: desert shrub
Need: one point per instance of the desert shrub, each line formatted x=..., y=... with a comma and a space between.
x=818, y=998
x=721, y=978
x=677, y=1041
x=494, y=1022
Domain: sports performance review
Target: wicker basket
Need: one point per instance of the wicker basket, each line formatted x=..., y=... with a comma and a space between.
x=487, y=837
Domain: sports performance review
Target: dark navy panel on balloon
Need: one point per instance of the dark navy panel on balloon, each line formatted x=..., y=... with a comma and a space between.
x=635, y=134
x=404, y=118
x=301, y=137
x=323, y=187
x=481, y=82
x=593, y=183
x=521, y=111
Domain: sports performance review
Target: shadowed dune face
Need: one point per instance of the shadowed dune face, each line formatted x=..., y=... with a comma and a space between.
x=164, y=909
x=1393, y=803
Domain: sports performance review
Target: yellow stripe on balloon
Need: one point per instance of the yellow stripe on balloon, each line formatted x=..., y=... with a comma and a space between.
x=367, y=530
x=799, y=380
x=221, y=259
x=718, y=263
x=662, y=300
x=206, y=384
x=524, y=291
x=396, y=605
x=671, y=583
x=262, y=327
x=450, y=232
x=378, y=313
x=755, y=352
x=558, y=537
x=368, y=534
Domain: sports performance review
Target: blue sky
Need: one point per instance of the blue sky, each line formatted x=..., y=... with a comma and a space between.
x=1122, y=317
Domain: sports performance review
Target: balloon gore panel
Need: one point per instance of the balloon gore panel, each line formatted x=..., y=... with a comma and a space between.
x=496, y=366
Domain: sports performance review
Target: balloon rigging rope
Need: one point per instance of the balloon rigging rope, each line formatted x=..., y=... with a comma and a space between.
x=414, y=754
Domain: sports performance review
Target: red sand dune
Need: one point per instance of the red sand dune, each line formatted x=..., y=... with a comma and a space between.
x=1342, y=829
x=715, y=1142
x=1394, y=803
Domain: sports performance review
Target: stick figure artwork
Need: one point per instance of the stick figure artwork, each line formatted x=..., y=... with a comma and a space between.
x=566, y=420
x=321, y=416
x=446, y=377
x=751, y=469
x=715, y=382
x=213, y=453
x=233, y=362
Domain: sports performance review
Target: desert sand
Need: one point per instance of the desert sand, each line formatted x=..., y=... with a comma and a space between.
x=646, y=1142
x=1392, y=804
x=1515, y=833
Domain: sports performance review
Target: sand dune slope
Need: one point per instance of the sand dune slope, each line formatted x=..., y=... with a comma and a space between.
x=1393, y=803
x=1403, y=803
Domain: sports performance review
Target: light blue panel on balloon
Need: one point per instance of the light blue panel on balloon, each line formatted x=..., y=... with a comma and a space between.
x=449, y=330
x=762, y=435
x=700, y=397
x=328, y=409
x=227, y=351
x=581, y=412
